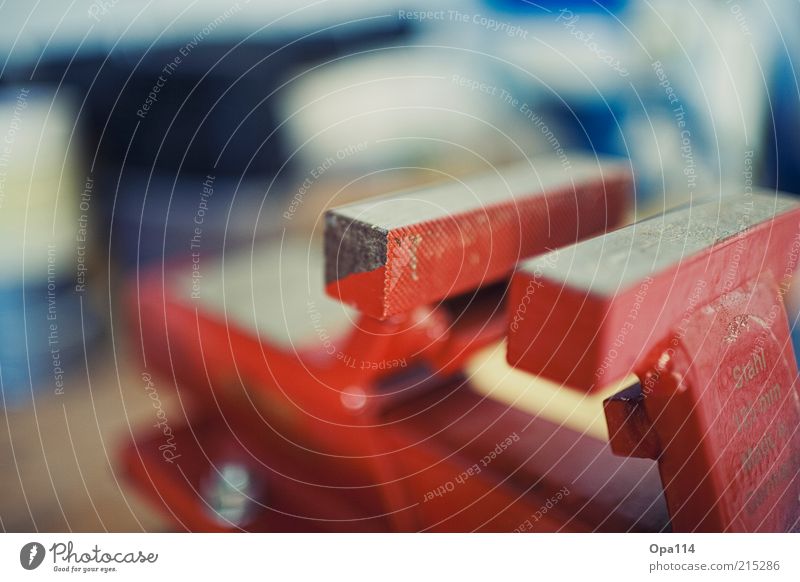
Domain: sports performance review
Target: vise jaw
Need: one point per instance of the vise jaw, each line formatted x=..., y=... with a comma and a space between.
x=692, y=303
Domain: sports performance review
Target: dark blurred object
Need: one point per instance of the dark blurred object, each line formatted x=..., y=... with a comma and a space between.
x=782, y=156
x=156, y=216
x=161, y=121
x=213, y=105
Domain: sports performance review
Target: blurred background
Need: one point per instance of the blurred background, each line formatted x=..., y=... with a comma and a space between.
x=134, y=134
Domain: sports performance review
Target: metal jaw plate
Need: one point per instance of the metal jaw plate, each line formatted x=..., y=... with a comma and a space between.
x=387, y=255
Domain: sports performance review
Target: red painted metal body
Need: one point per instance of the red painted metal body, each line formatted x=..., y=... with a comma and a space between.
x=289, y=488
x=472, y=463
x=450, y=461
x=325, y=400
x=723, y=405
x=706, y=332
x=407, y=449
x=204, y=351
